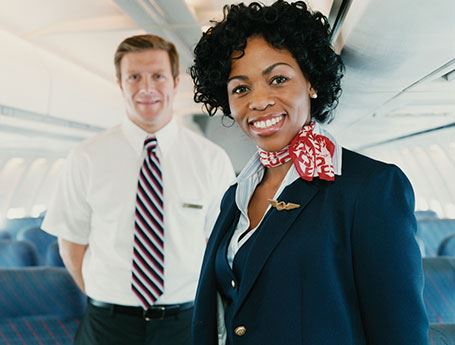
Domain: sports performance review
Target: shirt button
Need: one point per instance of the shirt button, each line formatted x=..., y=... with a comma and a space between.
x=233, y=283
x=240, y=331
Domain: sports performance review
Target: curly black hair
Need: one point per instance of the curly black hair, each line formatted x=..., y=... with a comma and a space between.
x=290, y=26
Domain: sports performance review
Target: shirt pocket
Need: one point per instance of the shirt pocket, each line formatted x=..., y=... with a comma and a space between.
x=186, y=215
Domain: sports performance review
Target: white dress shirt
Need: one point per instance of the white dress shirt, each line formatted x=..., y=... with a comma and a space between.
x=95, y=200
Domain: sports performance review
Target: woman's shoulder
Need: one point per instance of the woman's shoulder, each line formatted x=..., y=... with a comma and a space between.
x=363, y=171
x=356, y=163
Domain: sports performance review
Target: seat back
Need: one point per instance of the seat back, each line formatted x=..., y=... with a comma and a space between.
x=13, y=226
x=447, y=246
x=53, y=257
x=427, y=214
x=38, y=330
x=39, y=292
x=17, y=254
x=5, y=235
x=39, y=239
x=442, y=334
x=432, y=232
x=439, y=291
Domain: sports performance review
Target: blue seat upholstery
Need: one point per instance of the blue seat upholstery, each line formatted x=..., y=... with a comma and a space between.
x=39, y=291
x=442, y=334
x=439, y=291
x=432, y=232
x=39, y=305
x=427, y=214
x=53, y=257
x=13, y=226
x=5, y=235
x=17, y=254
x=447, y=246
x=39, y=239
x=38, y=330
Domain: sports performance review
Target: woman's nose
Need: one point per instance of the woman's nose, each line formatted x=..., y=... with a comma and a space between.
x=261, y=100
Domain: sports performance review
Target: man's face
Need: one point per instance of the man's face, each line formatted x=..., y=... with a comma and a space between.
x=148, y=88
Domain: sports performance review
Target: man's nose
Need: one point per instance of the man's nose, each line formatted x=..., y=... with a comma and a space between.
x=148, y=84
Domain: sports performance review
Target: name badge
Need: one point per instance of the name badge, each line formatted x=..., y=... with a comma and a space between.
x=195, y=206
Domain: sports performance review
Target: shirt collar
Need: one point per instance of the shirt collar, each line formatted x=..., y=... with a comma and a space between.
x=254, y=168
x=251, y=168
x=135, y=136
x=251, y=176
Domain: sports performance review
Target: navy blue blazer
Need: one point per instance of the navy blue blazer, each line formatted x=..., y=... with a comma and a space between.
x=342, y=269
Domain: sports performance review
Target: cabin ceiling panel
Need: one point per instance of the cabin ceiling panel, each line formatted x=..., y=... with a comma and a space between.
x=83, y=32
x=25, y=16
x=393, y=46
x=93, y=51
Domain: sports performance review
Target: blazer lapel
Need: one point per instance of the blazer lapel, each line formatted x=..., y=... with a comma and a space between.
x=226, y=220
x=273, y=228
x=205, y=313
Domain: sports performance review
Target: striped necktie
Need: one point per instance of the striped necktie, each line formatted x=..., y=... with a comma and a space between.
x=148, y=249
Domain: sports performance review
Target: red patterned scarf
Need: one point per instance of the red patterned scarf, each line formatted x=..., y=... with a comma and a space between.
x=310, y=152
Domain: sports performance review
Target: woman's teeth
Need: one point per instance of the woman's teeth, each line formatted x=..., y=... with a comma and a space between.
x=268, y=123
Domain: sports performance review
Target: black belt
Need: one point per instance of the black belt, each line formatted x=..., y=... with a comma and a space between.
x=155, y=312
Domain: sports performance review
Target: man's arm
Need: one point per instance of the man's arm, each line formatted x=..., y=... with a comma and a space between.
x=72, y=255
x=223, y=177
x=69, y=213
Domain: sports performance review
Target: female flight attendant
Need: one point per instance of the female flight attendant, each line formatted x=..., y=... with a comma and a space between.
x=315, y=244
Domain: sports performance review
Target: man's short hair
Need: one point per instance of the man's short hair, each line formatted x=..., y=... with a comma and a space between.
x=140, y=43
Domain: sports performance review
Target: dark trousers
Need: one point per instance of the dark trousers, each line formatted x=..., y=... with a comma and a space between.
x=101, y=326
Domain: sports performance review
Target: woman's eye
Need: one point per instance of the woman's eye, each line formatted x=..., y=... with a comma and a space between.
x=239, y=89
x=279, y=80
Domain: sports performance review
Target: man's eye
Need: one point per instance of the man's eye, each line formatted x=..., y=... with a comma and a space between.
x=279, y=80
x=133, y=77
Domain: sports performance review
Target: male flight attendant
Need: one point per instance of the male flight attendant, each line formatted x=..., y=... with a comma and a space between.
x=135, y=205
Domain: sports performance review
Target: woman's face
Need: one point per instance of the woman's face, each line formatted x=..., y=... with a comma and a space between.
x=268, y=95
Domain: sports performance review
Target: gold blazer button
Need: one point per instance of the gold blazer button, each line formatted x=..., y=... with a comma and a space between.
x=240, y=331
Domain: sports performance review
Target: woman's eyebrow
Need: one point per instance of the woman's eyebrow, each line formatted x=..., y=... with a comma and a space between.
x=240, y=77
x=267, y=71
x=271, y=67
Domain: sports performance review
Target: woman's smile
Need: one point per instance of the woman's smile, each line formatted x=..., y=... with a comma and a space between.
x=268, y=124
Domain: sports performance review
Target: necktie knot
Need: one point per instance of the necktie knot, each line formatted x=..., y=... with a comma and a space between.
x=150, y=144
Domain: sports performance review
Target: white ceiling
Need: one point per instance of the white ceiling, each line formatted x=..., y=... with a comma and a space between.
x=396, y=53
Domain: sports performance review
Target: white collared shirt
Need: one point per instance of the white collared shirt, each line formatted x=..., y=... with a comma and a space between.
x=95, y=200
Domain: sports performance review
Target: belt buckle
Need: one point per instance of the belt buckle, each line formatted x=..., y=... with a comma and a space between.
x=147, y=316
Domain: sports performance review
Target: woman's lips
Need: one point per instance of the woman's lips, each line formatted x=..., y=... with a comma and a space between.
x=267, y=125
